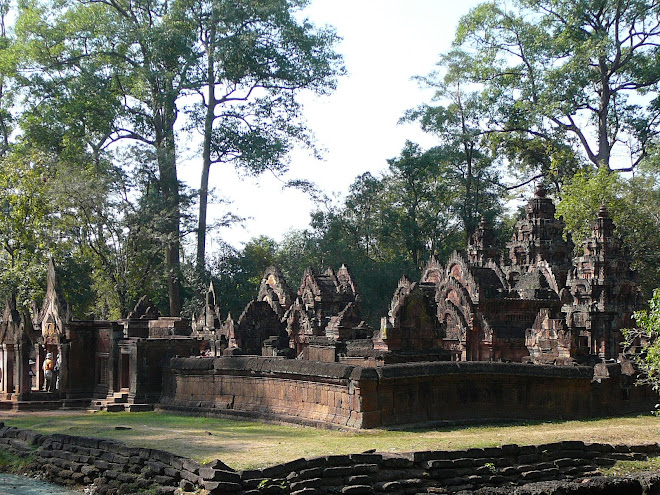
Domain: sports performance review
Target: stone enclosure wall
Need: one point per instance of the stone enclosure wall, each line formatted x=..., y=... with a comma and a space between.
x=348, y=396
x=563, y=467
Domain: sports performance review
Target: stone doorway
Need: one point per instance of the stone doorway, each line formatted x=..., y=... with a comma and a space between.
x=124, y=374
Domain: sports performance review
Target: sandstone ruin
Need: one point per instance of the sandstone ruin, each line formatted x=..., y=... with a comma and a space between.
x=537, y=306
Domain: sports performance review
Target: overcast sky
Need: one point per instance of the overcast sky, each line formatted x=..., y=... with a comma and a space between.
x=385, y=43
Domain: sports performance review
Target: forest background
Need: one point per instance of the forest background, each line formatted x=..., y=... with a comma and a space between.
x=97, y=96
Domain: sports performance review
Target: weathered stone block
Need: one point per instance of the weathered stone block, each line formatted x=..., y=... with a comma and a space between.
x=164, y=480
x=111, y=474
x=310, y=483
x=221, y=487
x=338, y=481
x=366, y=458
x=336, y=471
x=566, y=462
x=189, y=476
x=190, y=465
x=156, y=467
x=315, y=472
x=463, y=462
x=360, y=479
x=173, y=473
x=89, y=470
x=186, y=485
x=529, y=459
x=440, y=474
x=357, y=490
x=365, y=468
x=397, y=462
x=78, y=478
x=127, y=477
x=210, y=474
x=438, y=464
x=305, y=491
x=388, y=486
x=531, y=475
x=102, y=465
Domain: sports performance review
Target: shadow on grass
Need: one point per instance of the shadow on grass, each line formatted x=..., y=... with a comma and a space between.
x=450, y=426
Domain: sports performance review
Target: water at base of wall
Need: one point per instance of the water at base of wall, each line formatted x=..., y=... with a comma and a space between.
x=12, y=484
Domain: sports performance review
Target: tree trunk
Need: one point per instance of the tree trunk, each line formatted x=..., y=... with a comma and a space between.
x=166, y=156
x=204, y=186
x=206, y=149
x=603, y=115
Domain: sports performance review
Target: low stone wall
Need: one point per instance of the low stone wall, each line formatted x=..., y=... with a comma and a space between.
x=348, y=396
x=111, y=466
x=556, y=468
x=299, y=391
x=563, y=467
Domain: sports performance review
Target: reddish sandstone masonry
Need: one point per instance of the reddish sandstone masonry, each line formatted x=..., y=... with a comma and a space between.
x=347, y=396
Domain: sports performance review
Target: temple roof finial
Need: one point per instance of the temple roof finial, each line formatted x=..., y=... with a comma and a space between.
x=540, y=191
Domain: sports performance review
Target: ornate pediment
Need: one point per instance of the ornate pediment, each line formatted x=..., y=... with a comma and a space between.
x=55, y=312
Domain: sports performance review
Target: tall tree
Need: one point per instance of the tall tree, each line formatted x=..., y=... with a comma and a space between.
x=145, y=50
x=457, y=121
x=8, y=61
x=256, y=58
x=585, y=72
x=419, y=200
x=633, y=203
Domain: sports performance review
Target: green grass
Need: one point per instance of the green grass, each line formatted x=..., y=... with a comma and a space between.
x=623, y=468
x=247, y=444
x=12, y=463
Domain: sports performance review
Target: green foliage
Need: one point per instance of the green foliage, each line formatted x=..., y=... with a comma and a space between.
x=14, y=463
x=464, y=156
x=642, y=343
x=633, y=204
x=582, y=196
x=387, y=226
x=254, y=60
x=29, y=224
x=578, y=74
x=237, y=274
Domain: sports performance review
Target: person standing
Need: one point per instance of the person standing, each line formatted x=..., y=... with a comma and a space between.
x=56, y=371
x=48, y=372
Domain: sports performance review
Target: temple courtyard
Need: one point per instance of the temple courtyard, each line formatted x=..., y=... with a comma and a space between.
x=248, y=445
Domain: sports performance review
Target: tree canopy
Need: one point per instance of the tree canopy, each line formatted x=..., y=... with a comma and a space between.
x=97, y=97
x=583, y=73
x=104, y=91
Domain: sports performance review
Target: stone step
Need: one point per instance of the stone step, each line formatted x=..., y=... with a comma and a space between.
x=115, y=407
x=119, y=398
x=140, y=407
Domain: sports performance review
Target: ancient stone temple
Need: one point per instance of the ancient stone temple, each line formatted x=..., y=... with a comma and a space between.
x=275, y=291
x=538, y=249
x=411, y=329
x=314, y=324
x=77, y=349
x=601, y=292
x=110, y=364
x=540, y=305
x=308, y=354
x=16, y=348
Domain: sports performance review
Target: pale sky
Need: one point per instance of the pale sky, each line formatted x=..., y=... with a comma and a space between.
x=385, y=43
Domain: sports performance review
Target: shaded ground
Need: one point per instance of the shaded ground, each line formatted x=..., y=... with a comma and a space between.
x=243, y=444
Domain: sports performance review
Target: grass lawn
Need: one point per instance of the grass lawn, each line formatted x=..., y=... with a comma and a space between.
x=246, y=444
